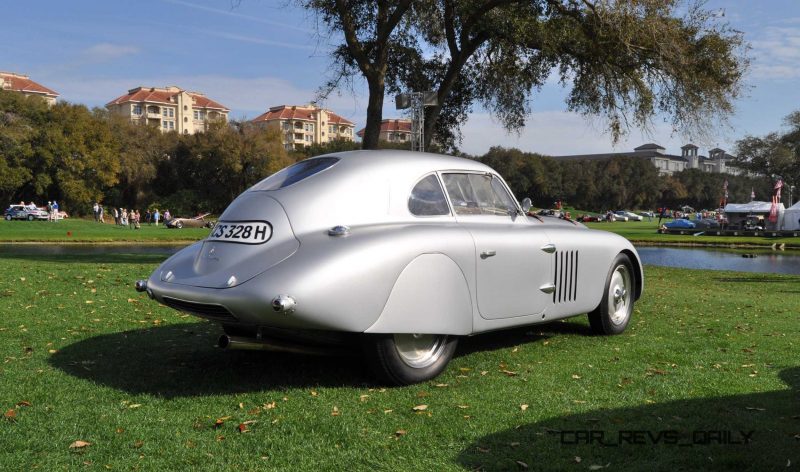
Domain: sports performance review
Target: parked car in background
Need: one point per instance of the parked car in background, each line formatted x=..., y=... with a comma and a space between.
x=647, y=214
x=707, y=223
x=198, y=221
x=629, y=214
x=590, y=218
x=679, y=223
x=617, y=216
x=24, y=212
x=398, y=254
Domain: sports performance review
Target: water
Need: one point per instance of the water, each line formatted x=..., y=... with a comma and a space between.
x=776, y=262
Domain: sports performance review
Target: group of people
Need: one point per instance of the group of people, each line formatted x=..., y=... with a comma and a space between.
x=52, y=210
x=130, y=218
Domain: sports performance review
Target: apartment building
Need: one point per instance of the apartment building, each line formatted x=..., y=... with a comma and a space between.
x=303, y=125
x=395, y=130
x=169, y=109
x=24, y=85
x=718, y=161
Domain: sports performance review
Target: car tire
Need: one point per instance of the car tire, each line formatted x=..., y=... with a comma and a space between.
x=405, y=359
x=30, y=217
x=615, y=309
x=8, y=217
x=179, y=224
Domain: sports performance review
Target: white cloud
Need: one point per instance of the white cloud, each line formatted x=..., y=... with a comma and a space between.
x=234, y=14
x=776, y=53
x=103, y=52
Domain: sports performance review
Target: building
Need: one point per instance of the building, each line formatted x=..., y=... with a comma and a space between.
x=667, y=164
x=304, y=125
x=393, y=131
x=170, y=109
x=24, y=85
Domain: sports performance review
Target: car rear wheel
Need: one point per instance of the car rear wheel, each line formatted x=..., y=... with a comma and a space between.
x=8, y=217
x=404, y=359
x=179, y=224
x=30, y=217
x=615, y=309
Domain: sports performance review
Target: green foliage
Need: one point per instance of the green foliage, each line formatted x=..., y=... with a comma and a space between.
x=626, y=61
x=774, y=155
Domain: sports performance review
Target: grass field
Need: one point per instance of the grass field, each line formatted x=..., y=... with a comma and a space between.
x=80, y=230
x=85, y=358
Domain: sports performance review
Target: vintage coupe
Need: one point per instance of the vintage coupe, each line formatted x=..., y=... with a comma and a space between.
x=397, y=253
x=198, y=221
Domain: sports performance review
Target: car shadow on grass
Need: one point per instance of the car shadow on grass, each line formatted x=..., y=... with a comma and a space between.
x=181, y=360
x=758, y=431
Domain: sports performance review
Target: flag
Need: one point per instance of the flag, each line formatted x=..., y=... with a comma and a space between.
x=752, y=194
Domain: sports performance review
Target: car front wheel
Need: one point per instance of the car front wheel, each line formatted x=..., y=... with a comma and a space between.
x=404, y=359
x=8, y=217
x=179, y=224
x=30, y=217
x=616, y=307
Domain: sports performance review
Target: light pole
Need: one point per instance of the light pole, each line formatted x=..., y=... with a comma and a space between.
x=791, y=191
x=416, y=101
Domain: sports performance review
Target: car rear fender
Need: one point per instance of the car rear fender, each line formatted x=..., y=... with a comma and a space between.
x=431, y=296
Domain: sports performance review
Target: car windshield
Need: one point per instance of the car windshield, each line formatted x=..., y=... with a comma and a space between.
x=295, y=173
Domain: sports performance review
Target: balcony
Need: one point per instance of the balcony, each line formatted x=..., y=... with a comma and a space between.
x=154, y=114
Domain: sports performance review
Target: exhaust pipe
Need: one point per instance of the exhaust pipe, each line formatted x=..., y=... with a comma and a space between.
x=266, y=344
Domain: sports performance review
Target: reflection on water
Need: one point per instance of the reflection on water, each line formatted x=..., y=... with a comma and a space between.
x=776, y=262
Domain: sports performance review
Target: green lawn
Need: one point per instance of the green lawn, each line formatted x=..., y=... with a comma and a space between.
x=646, y=232
x=85, y=358
x=80, y=230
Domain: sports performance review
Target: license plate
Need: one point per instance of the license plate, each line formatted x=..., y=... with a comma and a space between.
x=242, y=232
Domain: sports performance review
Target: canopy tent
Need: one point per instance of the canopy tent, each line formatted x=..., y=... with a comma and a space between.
x=737, y=213
x=791, y=218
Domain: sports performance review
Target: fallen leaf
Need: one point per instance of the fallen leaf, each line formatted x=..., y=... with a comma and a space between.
x=513, y=444
x=269, y=406
x=314, y=393
x=221, y=421
x=241, y=406
x=400, y=432
x=523, y=407
x=79, y=444
x=463, y=407
x=363, y=398
x=335, y=411
x=23, y=403
x=138, y=444
x=754, y=408
x=578, y=459
x=598, y=467
x=386, y=412
x=243, y=428
x=441, y=385
x=464, y=369
x=484, y=372
x=576, y=376
x=482, y=449
x=135, y=405
x=522, y=464
x=508, y=372
x=10, y=414
x=420, y=408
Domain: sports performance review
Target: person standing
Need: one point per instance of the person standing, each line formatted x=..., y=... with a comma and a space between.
x=100, y=216
x=55, y=211
x=96, y=211
x=148, y=217
x=116, y=216
x=156, y=216
x=167, y=216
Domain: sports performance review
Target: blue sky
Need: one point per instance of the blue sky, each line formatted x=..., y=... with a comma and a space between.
x=261, y=53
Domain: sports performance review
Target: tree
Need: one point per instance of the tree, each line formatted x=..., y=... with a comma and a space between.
x=626, y=61
x=774, y=155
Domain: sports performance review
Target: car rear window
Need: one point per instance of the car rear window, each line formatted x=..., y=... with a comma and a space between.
x=295, y=173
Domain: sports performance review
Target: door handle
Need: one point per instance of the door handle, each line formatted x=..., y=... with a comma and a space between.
x=549, y=248
x=548, y=288
x=486, y=254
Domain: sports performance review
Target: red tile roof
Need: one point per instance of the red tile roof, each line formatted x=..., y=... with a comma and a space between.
x=160, y=95
x=286, y=112
x=392, y=126
x=23, y=83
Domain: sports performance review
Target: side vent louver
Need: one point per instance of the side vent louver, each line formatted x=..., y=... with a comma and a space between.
x=565, y=276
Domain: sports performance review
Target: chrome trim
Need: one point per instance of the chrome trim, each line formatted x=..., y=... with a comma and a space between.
x=548, y=288
x=549, y=248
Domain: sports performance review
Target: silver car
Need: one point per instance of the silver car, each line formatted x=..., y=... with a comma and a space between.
x=397, y=253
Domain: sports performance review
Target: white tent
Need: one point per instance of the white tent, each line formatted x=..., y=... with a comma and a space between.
x=791, y=217
x=737, y=212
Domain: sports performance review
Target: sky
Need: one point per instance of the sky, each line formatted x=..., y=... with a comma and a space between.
x=250, y=55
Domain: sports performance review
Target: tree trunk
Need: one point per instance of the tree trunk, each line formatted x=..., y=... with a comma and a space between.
x=372, y=131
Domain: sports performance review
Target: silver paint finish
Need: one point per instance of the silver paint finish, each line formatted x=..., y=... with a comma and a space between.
x=393, y=272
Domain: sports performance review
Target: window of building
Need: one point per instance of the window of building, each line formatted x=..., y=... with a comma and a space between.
x=164, y=125
x=196, y=115
x=185, y=108
x=164, y=112
x=171, y=112
x=478, y=194
x=427, y=198
x=137, y=109
x=185, y=119
x=331, y=129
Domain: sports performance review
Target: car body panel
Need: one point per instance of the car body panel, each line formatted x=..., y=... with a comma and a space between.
x=391, y=272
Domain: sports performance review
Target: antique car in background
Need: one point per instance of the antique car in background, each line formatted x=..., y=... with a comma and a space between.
x=397, y=253
x=198, y=221
x=25, y=212
x=631, y=216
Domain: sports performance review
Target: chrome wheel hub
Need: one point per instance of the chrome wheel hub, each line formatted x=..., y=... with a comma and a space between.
x=619, y=300
x=419, y=350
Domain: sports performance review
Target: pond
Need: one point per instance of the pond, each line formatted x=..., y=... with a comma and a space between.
x=765, y=260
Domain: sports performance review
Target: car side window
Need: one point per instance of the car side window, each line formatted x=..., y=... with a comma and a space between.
x=427, y=198
x=478, y=194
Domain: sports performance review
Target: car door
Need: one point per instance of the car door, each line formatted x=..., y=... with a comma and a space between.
x=512, y=254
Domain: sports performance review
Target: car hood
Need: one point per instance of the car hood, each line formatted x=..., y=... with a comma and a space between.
x=223, y=264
